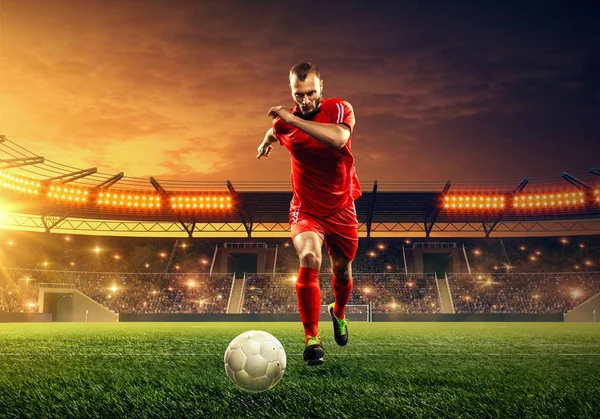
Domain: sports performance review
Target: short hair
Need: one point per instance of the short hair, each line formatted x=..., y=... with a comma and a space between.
x=302, y=70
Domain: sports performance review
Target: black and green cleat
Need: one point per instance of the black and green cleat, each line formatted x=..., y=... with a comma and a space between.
x=340, y=328
x=314, y=352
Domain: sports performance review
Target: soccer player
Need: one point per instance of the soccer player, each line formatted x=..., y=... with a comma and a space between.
x=317, y=132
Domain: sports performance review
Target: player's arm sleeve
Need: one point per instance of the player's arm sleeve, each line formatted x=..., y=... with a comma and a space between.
x=344, y=114
x=277, y=129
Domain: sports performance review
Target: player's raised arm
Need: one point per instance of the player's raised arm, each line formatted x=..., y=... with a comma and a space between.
x=335, y=135
x=265, y=148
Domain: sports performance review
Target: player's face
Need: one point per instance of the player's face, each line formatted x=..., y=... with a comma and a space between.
x=307, y=94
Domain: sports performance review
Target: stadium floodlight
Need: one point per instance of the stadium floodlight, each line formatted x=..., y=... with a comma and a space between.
x=465, y=201
x=210, y=202
x=128, y=199
x=70, y=195
x=19, y=184
x=556, y=199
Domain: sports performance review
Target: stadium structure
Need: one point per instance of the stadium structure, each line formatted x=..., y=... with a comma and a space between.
x=244, y=225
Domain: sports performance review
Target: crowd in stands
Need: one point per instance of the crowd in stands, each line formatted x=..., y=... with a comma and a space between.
x=388, y=293
x=124, y=293
x=372, y=256
x=138, y=275
x=534, y=254
x=530, y=293
x=104, y=254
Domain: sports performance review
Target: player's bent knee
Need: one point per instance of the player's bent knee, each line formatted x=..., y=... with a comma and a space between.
x=342, y=269
x=310, y=259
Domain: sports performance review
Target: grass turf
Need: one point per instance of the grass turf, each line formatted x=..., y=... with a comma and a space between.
x=387, y=370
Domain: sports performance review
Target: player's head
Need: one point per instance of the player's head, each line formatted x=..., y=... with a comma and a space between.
x=307, y=87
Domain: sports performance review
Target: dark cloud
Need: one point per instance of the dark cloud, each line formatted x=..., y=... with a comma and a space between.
x=180, y=89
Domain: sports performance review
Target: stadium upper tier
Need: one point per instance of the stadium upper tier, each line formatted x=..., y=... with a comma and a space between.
x=32, y=187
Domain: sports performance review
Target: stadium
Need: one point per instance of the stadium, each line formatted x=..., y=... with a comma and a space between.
x=120, y=294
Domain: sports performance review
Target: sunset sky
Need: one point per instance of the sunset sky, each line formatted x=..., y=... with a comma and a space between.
x=180, y=89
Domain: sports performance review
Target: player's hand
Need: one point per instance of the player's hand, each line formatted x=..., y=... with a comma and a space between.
x=264, y=149
x=282, y=112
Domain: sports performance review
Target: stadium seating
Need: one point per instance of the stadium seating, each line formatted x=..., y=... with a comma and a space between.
x=131, y=275
x=529, y=293
x=389, y=293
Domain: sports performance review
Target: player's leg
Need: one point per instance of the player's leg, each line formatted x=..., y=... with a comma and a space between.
x=308, y=247
x=342, y=244
x=307, y=238
x=342, y=289
x=341, y=282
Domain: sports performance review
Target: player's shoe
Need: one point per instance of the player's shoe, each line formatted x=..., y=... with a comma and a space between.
x=340, y=328
x=314, y=352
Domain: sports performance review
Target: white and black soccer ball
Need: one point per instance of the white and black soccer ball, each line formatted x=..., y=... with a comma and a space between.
x=255, y=361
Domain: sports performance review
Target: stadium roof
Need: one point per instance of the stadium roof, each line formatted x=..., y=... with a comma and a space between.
x=387, y=208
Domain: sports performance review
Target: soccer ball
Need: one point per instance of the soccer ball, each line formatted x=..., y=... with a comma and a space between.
x=255, y=361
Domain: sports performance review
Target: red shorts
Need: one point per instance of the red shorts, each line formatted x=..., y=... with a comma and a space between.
x=339, y=230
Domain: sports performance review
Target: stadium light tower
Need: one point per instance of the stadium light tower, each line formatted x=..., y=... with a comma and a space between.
x=594, y=171
x=71, y=176
x=431, y=217
x=188, y=225
x=245, y=216
x=488, y=228
x=109, y=182
x=587, y=190
x=52, y=220
x=19, y=162
x=371, y=209
x=575, y=182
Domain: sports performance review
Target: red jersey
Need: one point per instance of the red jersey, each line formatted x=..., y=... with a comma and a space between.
x=323, y=178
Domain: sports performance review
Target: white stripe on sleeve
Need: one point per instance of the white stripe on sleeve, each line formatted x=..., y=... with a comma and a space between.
x=340, y=112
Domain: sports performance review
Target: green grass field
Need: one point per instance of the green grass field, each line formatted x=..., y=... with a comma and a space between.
x=387, y=370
